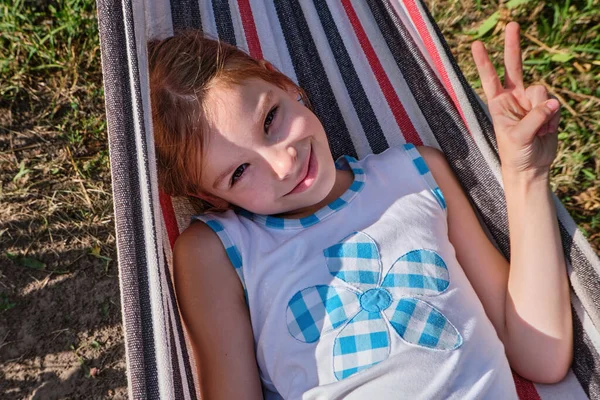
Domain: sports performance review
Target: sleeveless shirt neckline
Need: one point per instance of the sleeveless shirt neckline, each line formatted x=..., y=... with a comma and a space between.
x=323, y=213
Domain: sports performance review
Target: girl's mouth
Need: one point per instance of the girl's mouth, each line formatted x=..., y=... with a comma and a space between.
x=309, y=176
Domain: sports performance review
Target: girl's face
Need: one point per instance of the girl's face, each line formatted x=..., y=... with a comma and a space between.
x=265, y=151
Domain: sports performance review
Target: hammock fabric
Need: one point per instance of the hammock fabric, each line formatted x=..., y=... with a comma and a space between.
x=379, y=74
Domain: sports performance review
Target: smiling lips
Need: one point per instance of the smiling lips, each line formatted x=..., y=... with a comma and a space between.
x=309, y=172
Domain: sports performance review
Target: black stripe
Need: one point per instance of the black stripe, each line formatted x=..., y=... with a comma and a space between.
x=582, y=266
x=364, y=111
x=185, y=14
x=223, y=21
x=181, y=338
x=129, y=222
x=588, y=280
x=586, y=361
x=312, y=77
x=139, y=222
x=446, y=124
x=177, y=384
x=486, y=125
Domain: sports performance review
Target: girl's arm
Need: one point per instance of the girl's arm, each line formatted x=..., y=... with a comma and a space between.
x=528, y=300
x=211, y=300
x=528, y=303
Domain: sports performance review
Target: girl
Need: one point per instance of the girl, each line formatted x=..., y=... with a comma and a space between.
x=323, y=280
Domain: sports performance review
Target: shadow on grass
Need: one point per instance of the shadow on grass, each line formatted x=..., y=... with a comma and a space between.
x=69, y=381
x=58, y=323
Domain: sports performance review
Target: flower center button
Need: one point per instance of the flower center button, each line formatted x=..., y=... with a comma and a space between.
x=375, y=300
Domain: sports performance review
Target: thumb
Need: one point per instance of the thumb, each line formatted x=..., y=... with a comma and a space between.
x=527, y=128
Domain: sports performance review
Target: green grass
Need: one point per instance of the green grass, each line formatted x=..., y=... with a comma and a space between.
x=50, y=68
x=561, y=47
x=52, y=108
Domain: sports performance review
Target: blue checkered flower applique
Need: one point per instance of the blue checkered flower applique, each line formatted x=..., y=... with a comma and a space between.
x=370, y=302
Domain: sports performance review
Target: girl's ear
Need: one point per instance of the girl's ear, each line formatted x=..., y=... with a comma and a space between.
x=267, y=65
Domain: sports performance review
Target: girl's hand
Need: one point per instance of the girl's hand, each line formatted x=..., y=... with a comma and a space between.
x=525, y=119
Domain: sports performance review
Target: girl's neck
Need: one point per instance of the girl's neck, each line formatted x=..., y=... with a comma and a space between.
x=343, y=180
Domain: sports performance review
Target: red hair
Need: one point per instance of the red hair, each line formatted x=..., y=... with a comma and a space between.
x=183, y=68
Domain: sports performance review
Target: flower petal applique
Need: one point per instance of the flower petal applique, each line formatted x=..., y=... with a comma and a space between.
x=370, y=304
x=355, y=260
x=362, y=343
x=421, y=324
x=418, y=272
x=316, y=310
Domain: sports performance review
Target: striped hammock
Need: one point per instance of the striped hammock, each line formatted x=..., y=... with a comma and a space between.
x=379, y=74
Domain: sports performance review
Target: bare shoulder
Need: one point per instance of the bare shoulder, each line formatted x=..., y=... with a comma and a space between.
x=439, y=167
x=197, y=237
x=200, y=262
x=434, y=158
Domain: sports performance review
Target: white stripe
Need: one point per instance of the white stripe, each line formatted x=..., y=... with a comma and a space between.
x=587, y=323
x=160, y=26
x=159, y=22
x=381, y=108
x=278, y=41
x=567, y=389
x=148, y=178
x=186, y=386
x=173, y=309
x=577, y=236
x=334, y=77
x=207, y=17
x=581, y=242
x=192, y=360
x=238, y=27
x=169, y=309
x=394, y=75
x=270, y=36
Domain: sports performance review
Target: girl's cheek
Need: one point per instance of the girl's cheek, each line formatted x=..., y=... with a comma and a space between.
x=298, y=125
x=257, y=197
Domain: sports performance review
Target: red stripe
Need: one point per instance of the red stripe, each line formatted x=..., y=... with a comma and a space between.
x=250, y=29
x=169, y=216
x=415, y=15
x=525, y=389
x=402, y=119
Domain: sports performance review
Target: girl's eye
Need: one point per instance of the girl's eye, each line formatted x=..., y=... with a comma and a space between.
x=270, y=117
x=237, y=174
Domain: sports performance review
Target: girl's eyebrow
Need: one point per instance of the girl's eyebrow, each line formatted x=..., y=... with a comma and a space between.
x=262, y=109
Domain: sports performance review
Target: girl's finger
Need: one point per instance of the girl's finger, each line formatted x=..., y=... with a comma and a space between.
x=489, y=78
x=536, y=94
x=513, y=78
x=553, y=124
x=535, y=120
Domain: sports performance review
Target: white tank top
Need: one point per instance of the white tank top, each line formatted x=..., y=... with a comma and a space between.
x=365, y=298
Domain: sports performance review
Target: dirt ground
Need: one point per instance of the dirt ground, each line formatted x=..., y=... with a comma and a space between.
x=60, y=319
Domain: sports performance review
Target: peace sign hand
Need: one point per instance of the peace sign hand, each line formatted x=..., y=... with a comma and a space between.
x=525, y=119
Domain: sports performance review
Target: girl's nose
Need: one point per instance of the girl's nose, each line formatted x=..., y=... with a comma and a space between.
x=283, y=162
